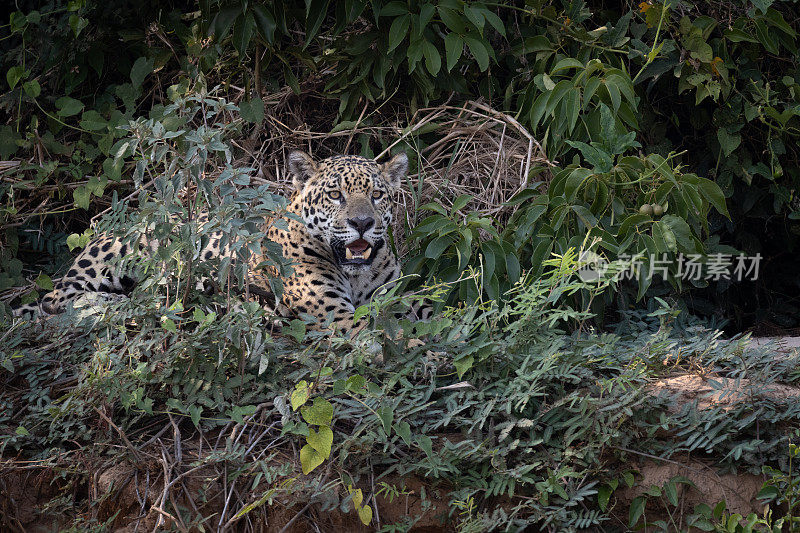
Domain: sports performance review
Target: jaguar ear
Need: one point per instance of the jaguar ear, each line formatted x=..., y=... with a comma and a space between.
x=301, y=166
x=395, y=169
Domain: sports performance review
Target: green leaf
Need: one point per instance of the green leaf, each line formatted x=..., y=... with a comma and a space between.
x=355, y=383
x=77, y=24
x=21, y=431
x=223, y=21
x=426, y=13
x=513, y=268
x=537, y=43
x=494, y=20
x=475, y=16
x=300, y=395
x=437, y=246
x=603, y=496
x=142, y=67
x=361, y=311
x=310, y=458
x=737, y=35
x=671, y=491
x=393, y=9
x=195, y=412
x=460, y=202
x=433, y=61
x=414, y=53
x=453, y=46
x=452, y=20
x=320, y=413
x=567, y=63
x=426, y=444
x=321, y=440
x=630, y=222
x=654, y=491
x=613, y=92
x=175, y=404
x=433, y=206
x=296, y=329
x=768, y=492
x=713, y=194
x=719, y=510
x=559, y=91
x=762, y=5
x=44, y=282
x=776, y=19
x=573, y=107
x=252, y=111
x=596, y=156
x=463, y=364
x=636, y=510
x=128, y=94
x=243, y=32
x=398, y=31
x=81, y=196
x=168, y=324
x=32, y=88
x=478, y=50
x=627, y=476
x=92, y=120
x=664, y=238
x=315, y=17
x=538, y=109
x=265, y=22
x=68, y=106
x=76, y=240
x=403, y=429
x=764, y=36
x=728, y=142
x=386, y=415
x=699, y=48
x=586, y=216
x=682, y=232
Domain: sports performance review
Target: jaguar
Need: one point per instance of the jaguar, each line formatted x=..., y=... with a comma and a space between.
x=337, y=243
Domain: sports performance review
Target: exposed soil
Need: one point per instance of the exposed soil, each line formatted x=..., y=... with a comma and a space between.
x=132, y=497
x=715, y=391
x=738, y=491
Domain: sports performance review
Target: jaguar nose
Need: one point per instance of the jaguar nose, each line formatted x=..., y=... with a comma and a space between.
x=361, y=224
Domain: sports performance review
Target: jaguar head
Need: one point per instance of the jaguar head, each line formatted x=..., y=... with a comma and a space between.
x=347, y=202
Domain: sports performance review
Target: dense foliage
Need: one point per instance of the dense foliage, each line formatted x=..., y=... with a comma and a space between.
x=663, y=104
x=664, y=130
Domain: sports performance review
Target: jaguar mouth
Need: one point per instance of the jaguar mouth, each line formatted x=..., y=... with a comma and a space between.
x=357, y=251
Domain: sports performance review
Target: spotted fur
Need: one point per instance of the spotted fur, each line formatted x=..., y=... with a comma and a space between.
x=342, y=200
x=340, y=252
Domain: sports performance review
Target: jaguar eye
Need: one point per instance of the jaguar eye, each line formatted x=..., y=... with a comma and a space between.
x=377, y=195
x=335, y=195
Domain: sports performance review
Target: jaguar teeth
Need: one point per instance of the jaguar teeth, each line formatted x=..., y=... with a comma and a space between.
x=348, y=254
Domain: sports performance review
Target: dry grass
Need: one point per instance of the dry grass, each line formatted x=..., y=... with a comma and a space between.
x=482, y=152
x=476, y=151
